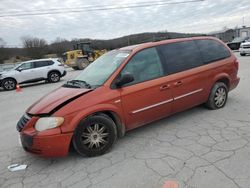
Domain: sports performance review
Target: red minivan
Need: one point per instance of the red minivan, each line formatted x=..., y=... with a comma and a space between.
x=125, y=89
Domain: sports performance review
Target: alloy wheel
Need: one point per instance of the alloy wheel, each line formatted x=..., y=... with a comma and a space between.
x=9, y=84
x=54, y=77
x=220, y=97
x=95, y=136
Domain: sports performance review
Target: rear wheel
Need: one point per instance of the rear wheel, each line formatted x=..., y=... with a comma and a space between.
x=9, y=84
x=82, y=63
x=54, y=77
x=94, y=135
x=218, y=96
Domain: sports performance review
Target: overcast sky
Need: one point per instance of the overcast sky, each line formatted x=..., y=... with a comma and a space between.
x=199, y=17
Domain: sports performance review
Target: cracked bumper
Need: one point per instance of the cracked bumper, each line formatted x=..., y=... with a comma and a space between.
x=46, y=146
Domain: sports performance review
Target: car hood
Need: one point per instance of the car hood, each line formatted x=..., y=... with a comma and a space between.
x=53, y=101
x=5, y=72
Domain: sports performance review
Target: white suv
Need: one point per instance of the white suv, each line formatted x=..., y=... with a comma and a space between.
x=245, y=48
x=32, y=71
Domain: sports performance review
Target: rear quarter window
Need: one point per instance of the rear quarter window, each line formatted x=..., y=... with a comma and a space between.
x=181, y=56
x=212, y=50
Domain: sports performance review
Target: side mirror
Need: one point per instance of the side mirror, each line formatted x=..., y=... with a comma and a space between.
x=125, y=78
x=19, y=69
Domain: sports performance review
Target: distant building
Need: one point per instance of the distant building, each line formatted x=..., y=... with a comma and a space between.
x=243, y=32
x=227, y=35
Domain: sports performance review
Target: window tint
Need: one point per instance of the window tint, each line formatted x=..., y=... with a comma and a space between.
x=25, y=66
x=38, y=64
x=212, y=50
x=181, y=56
x=145, y=65
x=52, y=62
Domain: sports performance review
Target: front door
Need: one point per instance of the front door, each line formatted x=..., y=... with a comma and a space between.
x=149, y=96
x=25, y=72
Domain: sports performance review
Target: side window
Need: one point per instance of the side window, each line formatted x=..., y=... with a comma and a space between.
x=181, y=56
x=212, y=50
x=52, y=62
x=38, y=64
x=145, y=65
x=26, y=66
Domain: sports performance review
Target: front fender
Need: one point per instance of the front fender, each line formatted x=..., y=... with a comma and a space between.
x=73, y=120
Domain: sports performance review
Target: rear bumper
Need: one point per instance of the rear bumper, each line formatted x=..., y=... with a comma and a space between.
x=234, y=83
x=46, y=146
x=64, y=73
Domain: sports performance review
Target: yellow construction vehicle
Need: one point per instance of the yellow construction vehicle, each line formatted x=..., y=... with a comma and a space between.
x=81, y=56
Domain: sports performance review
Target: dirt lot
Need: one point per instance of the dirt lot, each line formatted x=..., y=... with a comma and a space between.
x=198, y=148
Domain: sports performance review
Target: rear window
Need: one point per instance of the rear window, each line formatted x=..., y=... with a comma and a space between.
x=212, y=50
x=181, y=56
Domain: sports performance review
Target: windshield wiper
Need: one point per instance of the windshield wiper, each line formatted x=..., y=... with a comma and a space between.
x=77, y=84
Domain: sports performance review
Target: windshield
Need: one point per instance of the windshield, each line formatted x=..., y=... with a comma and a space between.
x=16, y=66
x=102, y=68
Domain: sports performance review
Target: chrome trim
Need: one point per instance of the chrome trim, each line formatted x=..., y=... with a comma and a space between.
x=187, y=94
x=152, y=106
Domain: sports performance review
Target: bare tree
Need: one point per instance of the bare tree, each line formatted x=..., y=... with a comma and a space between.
x=35, y=47
x=4, y=53
x=59, y=46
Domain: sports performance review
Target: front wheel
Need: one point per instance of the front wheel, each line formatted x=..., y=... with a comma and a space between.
x=9, y=84
x=95, y=135
x=218, y=96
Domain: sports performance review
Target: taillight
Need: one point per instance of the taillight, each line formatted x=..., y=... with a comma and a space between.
x=236, y=64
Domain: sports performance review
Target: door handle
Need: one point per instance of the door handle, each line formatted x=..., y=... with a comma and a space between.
x=164, y=87
x=179, y=83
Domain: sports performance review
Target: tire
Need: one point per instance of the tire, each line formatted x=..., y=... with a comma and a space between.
x=218, y=96
x=86, y=139
x=82, y=63
x=9, y=84
x=243, y=54
x=54, y=77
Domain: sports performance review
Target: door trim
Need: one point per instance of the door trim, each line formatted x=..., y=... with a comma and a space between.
x=187, y=94
x=152, y=106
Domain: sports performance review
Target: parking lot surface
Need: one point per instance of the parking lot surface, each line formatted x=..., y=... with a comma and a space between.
x=198, y=148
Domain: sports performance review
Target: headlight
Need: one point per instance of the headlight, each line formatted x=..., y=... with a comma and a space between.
x=48, y=123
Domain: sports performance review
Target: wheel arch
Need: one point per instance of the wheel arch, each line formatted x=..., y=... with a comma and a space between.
x=222, y=78
x=118, y=123
x=11, y=78
x=53, y=70
x=111, y=113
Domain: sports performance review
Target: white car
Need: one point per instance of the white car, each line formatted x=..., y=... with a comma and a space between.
x=32, y=71
x=244, y=48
